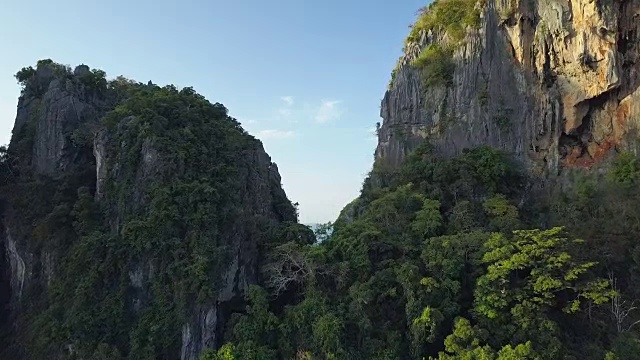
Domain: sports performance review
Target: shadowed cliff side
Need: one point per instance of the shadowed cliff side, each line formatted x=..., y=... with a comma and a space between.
x=135, y=218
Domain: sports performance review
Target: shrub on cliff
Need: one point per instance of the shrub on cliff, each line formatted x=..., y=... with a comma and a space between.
x=451, y=16
x=625, y=169
x=436, y=64
x=445, y=16
x=25, y=74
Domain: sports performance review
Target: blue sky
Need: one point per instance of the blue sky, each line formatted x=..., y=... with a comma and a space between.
x=306, y=77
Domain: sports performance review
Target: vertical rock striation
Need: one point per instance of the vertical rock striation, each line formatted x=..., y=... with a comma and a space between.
x=553, y=82
x=76, y=153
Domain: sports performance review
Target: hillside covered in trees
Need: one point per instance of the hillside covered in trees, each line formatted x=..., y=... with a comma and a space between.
x=459, y=259
x=500, y=220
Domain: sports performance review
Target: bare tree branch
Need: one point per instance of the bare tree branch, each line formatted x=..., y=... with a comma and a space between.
x=287, y=264
x=619, y=308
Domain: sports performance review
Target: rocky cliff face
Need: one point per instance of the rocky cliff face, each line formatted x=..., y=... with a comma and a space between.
x=554, y=82
x=133, y=218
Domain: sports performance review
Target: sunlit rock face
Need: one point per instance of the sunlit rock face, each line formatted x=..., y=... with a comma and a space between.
x=553, y=82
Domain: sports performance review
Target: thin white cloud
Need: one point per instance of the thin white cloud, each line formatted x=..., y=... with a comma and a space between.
x=276, y=134
x=328, y=111
x=285, y=111
x=288, y=100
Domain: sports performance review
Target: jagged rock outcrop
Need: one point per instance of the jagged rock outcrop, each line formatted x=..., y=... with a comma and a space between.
x=554, y=82
x=89, y=184
x=55, y=106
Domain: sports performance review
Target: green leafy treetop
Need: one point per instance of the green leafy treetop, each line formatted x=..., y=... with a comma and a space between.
x=430, y=262
x=529, y=277
x=226, y=352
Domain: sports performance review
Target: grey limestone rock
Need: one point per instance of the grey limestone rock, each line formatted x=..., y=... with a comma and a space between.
x=551, y=83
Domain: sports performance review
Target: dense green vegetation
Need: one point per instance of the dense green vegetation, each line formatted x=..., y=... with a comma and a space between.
x=450, y=16
x=441, y=258
x=449, y=259
x=93, y=80
x=436, y=64
x=169, y=220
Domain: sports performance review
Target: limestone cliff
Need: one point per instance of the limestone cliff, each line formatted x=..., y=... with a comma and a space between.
x=554, y=82
x=133, y=218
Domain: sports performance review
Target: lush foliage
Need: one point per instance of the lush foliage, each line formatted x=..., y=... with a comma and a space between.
x=131, y=269
x=35, y=80
x=449, y=17
x=25, y=74
x=442, y=259
x=96, y=79
x=436, y=64
x=625, y=169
